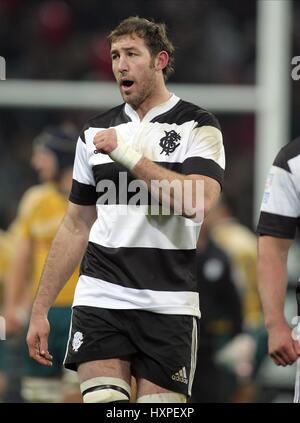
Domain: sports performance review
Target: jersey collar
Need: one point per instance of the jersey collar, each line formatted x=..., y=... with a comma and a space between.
x=152, y=113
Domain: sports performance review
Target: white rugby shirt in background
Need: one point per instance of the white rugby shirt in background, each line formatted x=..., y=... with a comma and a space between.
x=280, y=209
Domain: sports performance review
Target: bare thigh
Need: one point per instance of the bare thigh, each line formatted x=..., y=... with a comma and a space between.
x=112, y=367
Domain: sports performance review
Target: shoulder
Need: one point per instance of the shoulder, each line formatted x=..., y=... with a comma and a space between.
x=33, y=196
x=112, y=117
x=202, y=116
x=185, y=111
x=288, y=152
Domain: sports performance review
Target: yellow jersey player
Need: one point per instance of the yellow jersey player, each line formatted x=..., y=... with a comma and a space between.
x=40, y=213
x=6, y=248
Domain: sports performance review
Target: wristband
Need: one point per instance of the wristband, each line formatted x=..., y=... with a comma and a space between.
x=124, y=154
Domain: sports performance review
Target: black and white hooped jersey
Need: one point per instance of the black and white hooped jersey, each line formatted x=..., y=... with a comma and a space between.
x=137, y=259
x=280, y=210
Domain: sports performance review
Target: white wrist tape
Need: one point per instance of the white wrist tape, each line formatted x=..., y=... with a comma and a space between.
x=124, y=154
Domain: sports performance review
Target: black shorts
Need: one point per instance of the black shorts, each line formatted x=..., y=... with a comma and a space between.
x=162, y=347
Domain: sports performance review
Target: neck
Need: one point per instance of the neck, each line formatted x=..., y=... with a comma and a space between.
x=158, y=96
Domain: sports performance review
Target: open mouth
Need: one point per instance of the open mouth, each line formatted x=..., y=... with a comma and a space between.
x=127, y=83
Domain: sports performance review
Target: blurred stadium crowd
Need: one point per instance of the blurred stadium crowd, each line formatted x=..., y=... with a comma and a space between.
x=215, y=41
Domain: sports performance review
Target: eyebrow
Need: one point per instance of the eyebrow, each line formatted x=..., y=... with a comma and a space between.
x=114, y=51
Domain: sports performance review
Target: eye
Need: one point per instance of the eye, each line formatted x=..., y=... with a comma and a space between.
x=114, y=56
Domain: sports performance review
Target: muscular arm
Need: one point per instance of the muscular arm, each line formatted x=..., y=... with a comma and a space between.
x=272, y=283
x=65, y=253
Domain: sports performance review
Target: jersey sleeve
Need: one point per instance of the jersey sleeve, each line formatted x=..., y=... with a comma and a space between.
x=83, y=190
x=205, y=154
x=280, y=209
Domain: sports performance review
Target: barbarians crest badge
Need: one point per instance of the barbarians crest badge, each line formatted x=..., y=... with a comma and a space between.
x=169, y=142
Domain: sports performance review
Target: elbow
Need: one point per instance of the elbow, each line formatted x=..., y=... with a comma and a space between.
x=198, y=211
x=194, y=210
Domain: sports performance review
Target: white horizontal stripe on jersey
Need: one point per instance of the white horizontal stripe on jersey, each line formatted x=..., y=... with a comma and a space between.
x=135, y=227
x=98, y=293
x=280, y=196
x=81, y=172
x=145, y=138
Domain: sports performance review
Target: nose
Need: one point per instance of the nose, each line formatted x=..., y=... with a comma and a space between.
x=122, y=64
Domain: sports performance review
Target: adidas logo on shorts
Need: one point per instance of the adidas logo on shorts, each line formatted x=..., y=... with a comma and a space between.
x=180, y=376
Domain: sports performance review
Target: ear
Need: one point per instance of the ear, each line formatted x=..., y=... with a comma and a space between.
x=161, y=61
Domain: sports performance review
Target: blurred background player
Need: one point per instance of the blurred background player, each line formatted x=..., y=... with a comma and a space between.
x=221, y=320
x=239, y=242
x=278, y=223
x=6, y=248
x=39, y=215
x=240, y=245
x=9, y=381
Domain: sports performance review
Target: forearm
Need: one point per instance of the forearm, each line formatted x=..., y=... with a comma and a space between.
x=187, y=195
x=272, y=278
x=153, y=175
x=65, y=254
